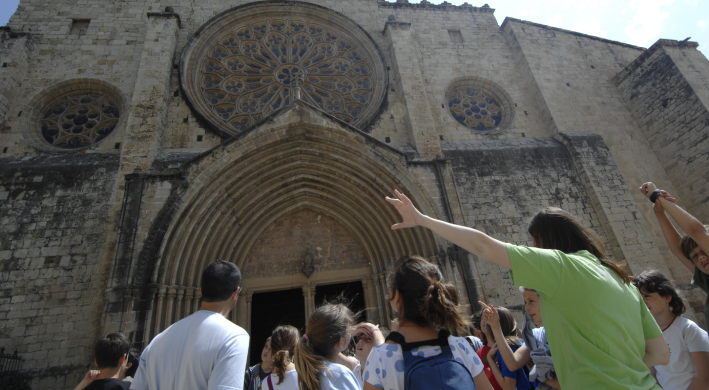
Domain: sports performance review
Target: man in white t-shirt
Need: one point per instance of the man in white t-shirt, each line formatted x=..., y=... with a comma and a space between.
x=205, y=350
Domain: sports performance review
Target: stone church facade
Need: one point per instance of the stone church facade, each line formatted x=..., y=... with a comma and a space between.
x=139, y=141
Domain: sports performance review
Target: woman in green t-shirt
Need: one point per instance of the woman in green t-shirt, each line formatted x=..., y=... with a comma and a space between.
x=599, y=329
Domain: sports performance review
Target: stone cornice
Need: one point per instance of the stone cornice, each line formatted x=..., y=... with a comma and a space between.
x=444, y=6
x=396, y=26
x=166, y=15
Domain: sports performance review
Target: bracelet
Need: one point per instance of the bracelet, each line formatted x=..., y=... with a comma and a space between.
x=654, y=196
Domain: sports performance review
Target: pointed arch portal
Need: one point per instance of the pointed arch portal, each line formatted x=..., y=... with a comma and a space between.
x=299, y=161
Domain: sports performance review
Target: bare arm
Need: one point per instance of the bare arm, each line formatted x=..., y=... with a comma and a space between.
x=701, y=367
x=553, y=383
x=88, y=378
x=671, y=235
x=505, y=382
x=481, y=382
x=657, y=353
x=474, y=241
x=514, y=360
x=691, y=225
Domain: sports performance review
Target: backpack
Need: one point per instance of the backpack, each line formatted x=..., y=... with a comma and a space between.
x=441, y=371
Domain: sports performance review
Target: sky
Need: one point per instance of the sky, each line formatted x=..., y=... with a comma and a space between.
x=637, y=22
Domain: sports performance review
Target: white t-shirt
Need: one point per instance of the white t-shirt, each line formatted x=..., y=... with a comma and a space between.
x=385, y=364
x=339, y=378
x=204, y=351
x=358, y=374
x=290, y=381
x=683, y=337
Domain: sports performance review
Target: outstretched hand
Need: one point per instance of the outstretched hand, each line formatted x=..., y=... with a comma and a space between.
x=491, y=315
x=411, y=217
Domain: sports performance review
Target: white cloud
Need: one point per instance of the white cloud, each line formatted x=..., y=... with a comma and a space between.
x=702, y=24
x=645, y=24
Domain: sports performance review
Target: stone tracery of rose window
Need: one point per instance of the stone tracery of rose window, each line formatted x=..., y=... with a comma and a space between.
x=248, y=73
x=475, y=108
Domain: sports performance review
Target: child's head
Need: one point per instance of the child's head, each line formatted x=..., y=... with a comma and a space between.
x=532, y=304
x=283, y=341
x=418, y=292
x=508, y=324
x=327, y=333
x=266, y=355
x=693, y=252
x=111, y=351
x=475, y=326
x=658, y=293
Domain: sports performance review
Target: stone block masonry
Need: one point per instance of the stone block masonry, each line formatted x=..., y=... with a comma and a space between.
x=52, y=228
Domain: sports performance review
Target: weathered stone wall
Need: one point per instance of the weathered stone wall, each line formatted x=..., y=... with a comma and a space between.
x=51, y=280
x=666, y=90
x=14, y=51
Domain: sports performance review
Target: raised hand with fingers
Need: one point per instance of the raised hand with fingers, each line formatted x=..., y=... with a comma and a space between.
x=411, y=217
x=491, y=315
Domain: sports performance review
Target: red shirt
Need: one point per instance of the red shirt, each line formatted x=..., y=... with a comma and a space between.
x=482, y=353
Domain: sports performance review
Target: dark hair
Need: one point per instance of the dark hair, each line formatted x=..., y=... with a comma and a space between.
x=554, y=228
x=475, y=321
x=109, y=349
x=326, y=326
x=655, y=282
x=508, y=324
x=688, y=244
x=134, y=360
x=219, y=281
x=283, y=341
x=427, y=299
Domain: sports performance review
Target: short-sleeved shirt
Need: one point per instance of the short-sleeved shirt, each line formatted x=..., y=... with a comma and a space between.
x=683, y=337
x=519, y=375
x=482, y=354
x=204, y=351
x=255, y=377
x=290, y=381
x=596, y=324
x=108, y=384
x=701, y=280
x=385, y=364
x=339, y=377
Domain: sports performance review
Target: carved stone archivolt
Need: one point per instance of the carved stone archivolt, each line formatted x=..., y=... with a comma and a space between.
x=242, y=65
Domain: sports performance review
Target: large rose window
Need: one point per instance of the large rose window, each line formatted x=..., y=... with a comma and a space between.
x=245, y=65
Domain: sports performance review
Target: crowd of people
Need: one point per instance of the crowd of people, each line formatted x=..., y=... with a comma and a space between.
x=587, y=324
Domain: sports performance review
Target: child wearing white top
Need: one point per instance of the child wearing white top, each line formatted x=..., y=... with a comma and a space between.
x=283, y=375
x=689, y=344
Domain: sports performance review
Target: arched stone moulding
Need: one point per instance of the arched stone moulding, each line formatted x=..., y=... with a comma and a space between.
x=492, y=89
x=234, y=63
x=300, y=159
x=32, y=111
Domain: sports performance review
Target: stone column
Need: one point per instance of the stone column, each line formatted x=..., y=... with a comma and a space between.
x=410, y=89
x=170, y=307
x=195, y=301
x=179, y=307
x=309, y=297
x=158, y=313
x=369, y=301
x=241, y=311
x=189, y=296
x=148, y=110
x=385, y=293
x=381, y=301
x=249, y=298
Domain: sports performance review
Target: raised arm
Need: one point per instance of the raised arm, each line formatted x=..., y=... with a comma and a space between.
x=691, y=225
x=671, y=234
x=474, y=241
x=514, y=360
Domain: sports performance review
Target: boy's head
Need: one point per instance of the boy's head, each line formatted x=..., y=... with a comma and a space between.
x=658, y=293
x=219, y=281
x=111, y=351
x=693, y=252
x=133, y=362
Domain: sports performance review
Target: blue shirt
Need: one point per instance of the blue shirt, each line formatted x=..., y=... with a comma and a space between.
x=519, y=375
x=339, y=378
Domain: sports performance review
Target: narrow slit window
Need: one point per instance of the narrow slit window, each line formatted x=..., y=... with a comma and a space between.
x=456, y=36
x=79, y=26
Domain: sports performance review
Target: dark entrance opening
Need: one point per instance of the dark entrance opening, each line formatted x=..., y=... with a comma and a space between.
x=350, y=292
x=271, y=309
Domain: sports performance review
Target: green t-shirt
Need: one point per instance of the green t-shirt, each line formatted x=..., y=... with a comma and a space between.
x=701, y=280
x=596, y=325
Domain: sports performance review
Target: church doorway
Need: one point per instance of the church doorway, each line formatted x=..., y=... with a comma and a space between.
x=271, y=309
x=351, y=292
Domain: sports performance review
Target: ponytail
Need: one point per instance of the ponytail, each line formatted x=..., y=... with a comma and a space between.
x=326, y=326
x=427, y=299
x=283, y=344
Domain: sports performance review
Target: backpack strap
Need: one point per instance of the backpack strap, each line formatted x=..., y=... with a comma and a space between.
x=441, y=341
x=270, y=384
